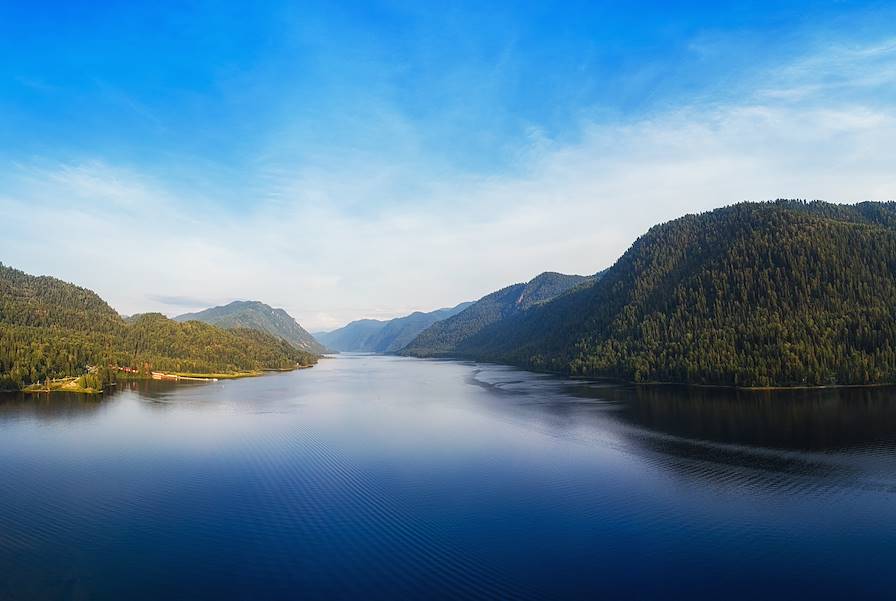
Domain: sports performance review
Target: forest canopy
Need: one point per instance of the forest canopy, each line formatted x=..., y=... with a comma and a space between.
x=52, y=329
x=756, y=294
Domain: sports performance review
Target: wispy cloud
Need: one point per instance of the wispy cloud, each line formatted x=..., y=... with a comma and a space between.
x=372, y=236
x=838, y=71
x=190, y=302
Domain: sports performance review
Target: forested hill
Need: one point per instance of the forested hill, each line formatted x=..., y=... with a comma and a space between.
x=375, y=336
x=46, y=302
x=443, y=337
x=256, y=315
x=755, y=294
x=53, y=329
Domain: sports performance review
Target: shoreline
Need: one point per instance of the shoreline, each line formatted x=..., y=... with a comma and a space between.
x=215, y=376
x=764, y=388
x=67, y=384
x=773, y=388
x=70, y=383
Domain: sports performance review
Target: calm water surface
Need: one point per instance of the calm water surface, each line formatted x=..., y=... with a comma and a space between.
x=382, y=477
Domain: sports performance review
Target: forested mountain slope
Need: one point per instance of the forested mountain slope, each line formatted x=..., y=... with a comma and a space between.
x=445, y=336
x=255, y=315
x=52, y=329
x=375, y=336
x=755, y=294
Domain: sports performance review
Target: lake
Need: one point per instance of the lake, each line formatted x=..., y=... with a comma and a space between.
x=385, y=477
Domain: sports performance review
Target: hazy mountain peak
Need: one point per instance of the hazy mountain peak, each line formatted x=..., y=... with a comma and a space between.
x=376, y=336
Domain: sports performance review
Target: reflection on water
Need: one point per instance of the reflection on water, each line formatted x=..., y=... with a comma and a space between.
x=836, y=437
x=384, y=477
x=59, y=405
x=813, y=420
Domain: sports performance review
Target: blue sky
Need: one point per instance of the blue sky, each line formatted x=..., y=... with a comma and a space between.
x=369, y=159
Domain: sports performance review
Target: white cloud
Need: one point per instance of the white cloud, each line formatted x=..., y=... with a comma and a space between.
x=350, y=241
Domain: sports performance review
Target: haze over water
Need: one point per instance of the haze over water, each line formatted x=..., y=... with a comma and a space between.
x=385, y=477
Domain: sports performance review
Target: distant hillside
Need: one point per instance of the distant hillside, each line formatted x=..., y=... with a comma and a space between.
x=375, y=336
x=53, y=329
x=352, y=337
x=397, y=333
x=444, y=337
x=255, y=315
x=755, y=294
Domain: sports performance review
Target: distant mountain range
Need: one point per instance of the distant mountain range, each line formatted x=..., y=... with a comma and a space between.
x=445, y=337
x=376, y=336
x=256, y=315
x=785, y=293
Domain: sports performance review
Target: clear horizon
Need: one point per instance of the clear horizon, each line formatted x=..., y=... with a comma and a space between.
x=373, y=160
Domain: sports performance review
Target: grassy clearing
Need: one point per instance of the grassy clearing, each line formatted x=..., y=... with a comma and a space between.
x=72, y=384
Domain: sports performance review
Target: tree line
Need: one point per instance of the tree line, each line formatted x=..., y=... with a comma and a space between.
x=51, y=329
x=756, y=294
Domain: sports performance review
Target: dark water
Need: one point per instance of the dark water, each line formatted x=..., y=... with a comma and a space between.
x=375, y=477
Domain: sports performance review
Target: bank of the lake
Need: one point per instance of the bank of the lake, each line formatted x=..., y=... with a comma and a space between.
x=77, y=385
x=73, y=384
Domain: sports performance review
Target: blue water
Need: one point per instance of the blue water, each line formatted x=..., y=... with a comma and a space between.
x=383, y=477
